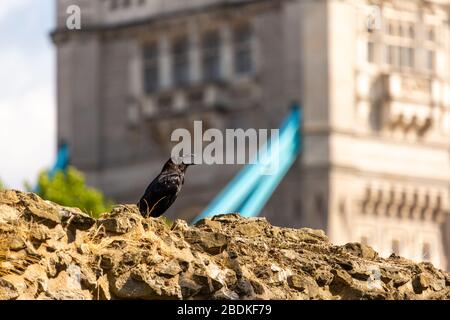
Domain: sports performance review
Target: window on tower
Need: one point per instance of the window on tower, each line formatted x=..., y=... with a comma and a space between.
x=211, y=56
x=411, y=32
x=410, y=56
x=407, y=46
x=243, y=37
x=431, y=60
x=371, y=52
x=398, y=44
x=180, y=57
x=114, y=4
x=430, y=34
x=151, y=68
x=406, y=57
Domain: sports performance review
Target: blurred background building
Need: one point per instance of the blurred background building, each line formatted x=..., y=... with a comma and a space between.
x=372, y=78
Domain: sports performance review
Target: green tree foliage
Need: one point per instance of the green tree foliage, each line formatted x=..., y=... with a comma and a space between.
x=69, y=189
x=2, y=186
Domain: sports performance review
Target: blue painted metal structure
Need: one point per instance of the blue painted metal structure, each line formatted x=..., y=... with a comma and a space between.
x=252, y=187
x=61, y=163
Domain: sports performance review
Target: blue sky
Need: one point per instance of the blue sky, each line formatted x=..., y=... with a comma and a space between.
x=27, y=94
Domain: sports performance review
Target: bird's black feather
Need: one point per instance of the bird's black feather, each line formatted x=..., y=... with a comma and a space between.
x=163, y=190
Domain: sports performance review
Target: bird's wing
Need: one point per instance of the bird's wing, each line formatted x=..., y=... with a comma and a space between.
x=161, y=190
x=164, y=184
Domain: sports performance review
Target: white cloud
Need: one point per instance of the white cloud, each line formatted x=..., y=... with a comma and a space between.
x=27, y=128
x=8, y=7
x=17, y=73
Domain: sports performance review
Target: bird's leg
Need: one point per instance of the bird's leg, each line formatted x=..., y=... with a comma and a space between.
x=147, y=213
x=156, y=204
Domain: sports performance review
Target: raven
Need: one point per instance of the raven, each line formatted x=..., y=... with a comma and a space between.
x=164, y=189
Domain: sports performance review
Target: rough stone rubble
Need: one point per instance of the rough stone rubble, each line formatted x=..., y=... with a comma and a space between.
x=53, y=252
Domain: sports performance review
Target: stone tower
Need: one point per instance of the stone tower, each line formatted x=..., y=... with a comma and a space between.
x=372, y=78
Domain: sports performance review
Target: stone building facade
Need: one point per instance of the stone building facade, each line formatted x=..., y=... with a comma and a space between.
x=372, y=77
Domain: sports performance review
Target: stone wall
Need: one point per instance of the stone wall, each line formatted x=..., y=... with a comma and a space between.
x=53, y=252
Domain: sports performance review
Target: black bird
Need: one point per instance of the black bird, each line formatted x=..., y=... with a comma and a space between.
x=164, y=189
